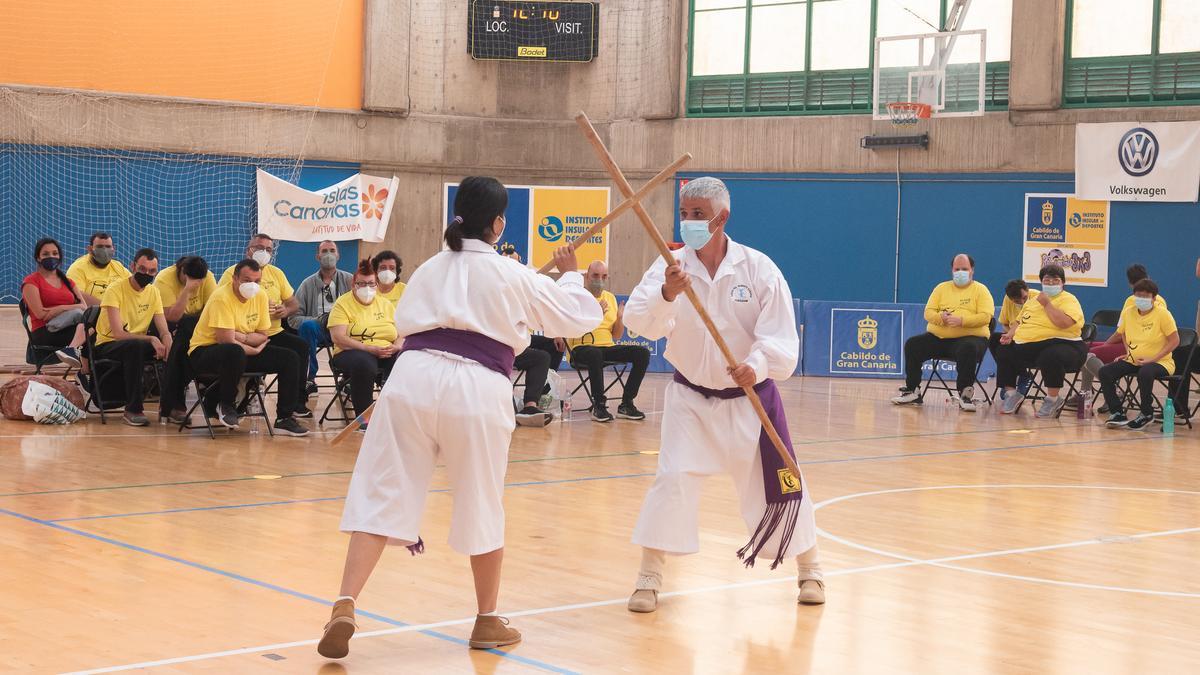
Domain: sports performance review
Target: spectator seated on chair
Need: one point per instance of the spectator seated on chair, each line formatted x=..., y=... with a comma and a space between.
x=233, y=337
x=387, y=267
x=958, y=314
x=542, y=355
x=316, y=296
x=185, y=288
x=1148, y=332
x=128, y=311
x=281, y=304
x=1047, y=335
x=362, y=325
x=54, y=304
x=1101, y=353
x=598, y=348
x=1016, y=294
x=93, y=272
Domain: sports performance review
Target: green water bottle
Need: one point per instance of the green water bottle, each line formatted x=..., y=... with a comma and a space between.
x=1169, y=417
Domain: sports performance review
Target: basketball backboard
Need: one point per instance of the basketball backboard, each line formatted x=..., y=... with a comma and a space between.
x=945, y=70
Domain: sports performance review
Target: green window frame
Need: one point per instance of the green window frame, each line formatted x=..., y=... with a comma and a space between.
x=806, y=92
x=1153, y=79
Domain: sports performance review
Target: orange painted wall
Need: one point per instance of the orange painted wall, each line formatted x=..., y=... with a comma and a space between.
x=294, y=52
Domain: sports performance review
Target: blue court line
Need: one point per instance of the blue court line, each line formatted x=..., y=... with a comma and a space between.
x=585, y=479
x=279, y=589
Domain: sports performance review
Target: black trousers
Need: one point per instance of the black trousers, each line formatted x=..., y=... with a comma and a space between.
x=298, y=346
x=593, y=358
x=177, y=370
x=545, y=344
x=362, y=368
x=44, y=337
x=229, y=361
x=1055, y=358
x=133, y=356
x=1146, y=375
x=536, y=364
x=966, y=352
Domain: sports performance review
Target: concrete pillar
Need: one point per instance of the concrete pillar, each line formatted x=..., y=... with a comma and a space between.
x=1038, y=35
x=386, y=55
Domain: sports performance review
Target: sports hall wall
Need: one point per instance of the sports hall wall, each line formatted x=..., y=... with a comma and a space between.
x=415, y=104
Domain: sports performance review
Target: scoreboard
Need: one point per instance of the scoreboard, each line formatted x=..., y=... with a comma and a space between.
x=514, y=30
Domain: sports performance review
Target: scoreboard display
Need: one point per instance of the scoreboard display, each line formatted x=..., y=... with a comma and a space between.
x=508, y=30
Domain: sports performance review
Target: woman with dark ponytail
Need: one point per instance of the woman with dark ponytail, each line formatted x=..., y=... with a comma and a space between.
x=464, y=316
x=54, y=304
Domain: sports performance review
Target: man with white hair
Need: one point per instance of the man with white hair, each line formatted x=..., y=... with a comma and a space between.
x=709, y=427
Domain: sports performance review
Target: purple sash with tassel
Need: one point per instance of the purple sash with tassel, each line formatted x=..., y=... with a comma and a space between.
x=492, y=354
x=783, y=491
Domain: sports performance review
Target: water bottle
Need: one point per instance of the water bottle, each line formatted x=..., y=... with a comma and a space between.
x=1088, y=409
x=566, y=410
x=1080, y=412
x=253, y=410
x=1169, y=417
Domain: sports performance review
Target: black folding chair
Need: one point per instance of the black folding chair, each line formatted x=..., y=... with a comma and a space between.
x=1037, y=391
x=619, y=369
x=254, y=391
x=102, y=370
x=1183, y=377
x=1106, y=318
x=935, y=373
x=38, y=356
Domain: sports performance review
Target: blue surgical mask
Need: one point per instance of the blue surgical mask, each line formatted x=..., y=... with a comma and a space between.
x=1052, y=290
x=694, y=233
x=1143, y=304
x=962, y=277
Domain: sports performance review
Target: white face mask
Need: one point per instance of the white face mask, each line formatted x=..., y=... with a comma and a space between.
x=261, y=257
x=387, y=276
x=365, y=294
x=248, y=289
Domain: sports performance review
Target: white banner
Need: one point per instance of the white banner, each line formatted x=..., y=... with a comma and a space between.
x=356, y=208
x=1138, y=162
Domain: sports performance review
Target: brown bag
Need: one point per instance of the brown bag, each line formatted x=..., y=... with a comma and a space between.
x=12, y=393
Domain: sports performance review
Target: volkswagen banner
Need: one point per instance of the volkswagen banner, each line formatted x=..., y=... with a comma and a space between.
x=1138, y=162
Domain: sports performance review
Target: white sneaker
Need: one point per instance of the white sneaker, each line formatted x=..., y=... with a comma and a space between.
x=906, y=398
x=1050, y=405
x=1011, y=402
x=966, y=400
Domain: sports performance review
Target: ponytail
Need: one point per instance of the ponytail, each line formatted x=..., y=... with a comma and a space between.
x=454, y=234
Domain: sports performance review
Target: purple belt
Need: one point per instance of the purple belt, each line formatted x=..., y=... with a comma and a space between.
x=489, y=353
x=782, y=490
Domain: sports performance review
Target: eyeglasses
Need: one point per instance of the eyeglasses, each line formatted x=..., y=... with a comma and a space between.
x=364, y=284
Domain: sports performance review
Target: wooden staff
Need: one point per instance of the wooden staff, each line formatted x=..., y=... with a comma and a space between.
x=623, y=185
x=632, y=201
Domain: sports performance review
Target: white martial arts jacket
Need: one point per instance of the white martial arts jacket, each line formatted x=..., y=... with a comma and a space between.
x=482, y=291
x=748, y=300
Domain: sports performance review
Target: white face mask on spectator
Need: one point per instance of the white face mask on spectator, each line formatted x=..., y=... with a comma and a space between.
x=365, y=294
x=261, y=257
x=248, y=289
x=387, y=276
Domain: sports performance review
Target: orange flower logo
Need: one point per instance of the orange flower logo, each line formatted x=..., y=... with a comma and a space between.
x=373, y=202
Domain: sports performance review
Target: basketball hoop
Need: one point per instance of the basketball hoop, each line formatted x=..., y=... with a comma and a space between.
x=906, y=113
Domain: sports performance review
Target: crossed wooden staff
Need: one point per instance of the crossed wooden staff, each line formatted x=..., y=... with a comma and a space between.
x=633, y=201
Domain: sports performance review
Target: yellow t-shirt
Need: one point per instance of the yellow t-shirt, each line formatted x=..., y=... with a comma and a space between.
x=600, y=336
x=1036, y=325
x=1159, y=301
x=1010, y=311
x=1146, y=334
x=395, y=293
x=972, y=303
x=225, y=310
x=275, y=288
x=169, y=287
x=95, y=280
x=373, y=324
x=137, y=310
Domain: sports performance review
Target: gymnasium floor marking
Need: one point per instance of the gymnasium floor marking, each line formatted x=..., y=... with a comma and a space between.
x=593, y=478
x=269, y=586
x=904, y=563
x=1041, y=580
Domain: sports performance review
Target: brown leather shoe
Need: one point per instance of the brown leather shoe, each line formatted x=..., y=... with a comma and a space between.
x=643, y=601
x=812, y=592
x=491, y=632
x=335, y=643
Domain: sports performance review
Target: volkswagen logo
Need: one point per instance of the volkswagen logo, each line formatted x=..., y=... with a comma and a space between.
x=1138, y=151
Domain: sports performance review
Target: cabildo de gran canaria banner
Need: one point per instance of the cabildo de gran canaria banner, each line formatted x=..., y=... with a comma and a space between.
x=1138, y=161
x=1062, y=230
x=542, y=218
x=356, y=208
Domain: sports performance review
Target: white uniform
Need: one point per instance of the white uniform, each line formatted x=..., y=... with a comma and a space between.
x=751, y=305
x=439, y=405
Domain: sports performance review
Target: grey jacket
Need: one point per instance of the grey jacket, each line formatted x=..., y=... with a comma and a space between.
x=312, y=299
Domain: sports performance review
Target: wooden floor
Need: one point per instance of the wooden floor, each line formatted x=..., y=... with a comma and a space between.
x=952, y=543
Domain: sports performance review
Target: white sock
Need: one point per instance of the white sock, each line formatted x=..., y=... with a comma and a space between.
x=491, y=613
x=808, y=565
x=345, y=597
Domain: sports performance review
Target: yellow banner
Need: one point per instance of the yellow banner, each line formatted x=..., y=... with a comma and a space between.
x=559, y=216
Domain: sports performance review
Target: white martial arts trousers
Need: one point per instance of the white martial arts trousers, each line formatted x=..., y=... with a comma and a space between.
x=435, y=406
x=701, y=437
